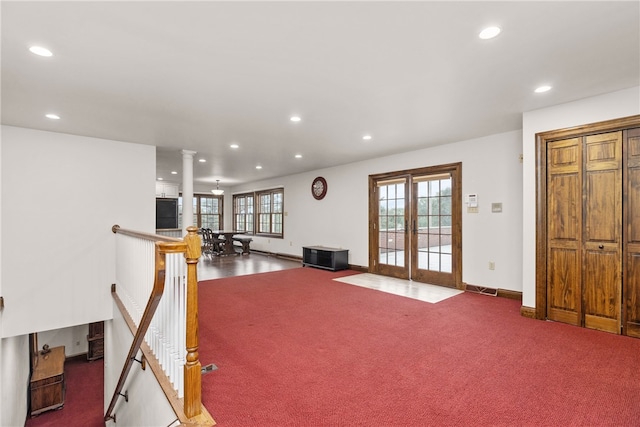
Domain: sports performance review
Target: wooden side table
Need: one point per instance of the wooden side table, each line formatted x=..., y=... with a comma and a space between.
x=47, y=381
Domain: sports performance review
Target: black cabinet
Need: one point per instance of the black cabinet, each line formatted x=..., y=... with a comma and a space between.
x=166, y=213
x=327, y=258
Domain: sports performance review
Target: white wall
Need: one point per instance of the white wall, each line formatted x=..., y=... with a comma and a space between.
x=590, y=110
x=60, y=196
x=490, y=167
x=73, y=338
x=14, y=380
x=14, y=363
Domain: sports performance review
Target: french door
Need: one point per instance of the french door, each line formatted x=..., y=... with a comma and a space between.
x=415, y=225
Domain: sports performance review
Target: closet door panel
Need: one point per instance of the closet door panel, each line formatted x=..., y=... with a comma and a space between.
x=602, y=290
x=632, y=233
x=602, y=259
x=633, y=291
x=564, y=231
x=564, y=285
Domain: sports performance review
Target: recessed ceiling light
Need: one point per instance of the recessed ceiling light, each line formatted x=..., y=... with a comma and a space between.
x=39, y=50
x=258, y=167
x=234, y=146
x=295, y=118
x=174, y=173
x=542, y=89
x=160, y=179
x=298, y=156
x=202, y=160
x=489, y=33
x=366, y=137
x=52, y=116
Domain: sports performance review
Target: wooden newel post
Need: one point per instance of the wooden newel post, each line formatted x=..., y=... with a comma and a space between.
x=192, y=368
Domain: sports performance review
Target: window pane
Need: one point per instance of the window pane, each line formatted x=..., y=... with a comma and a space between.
x=422, y=206
x=277, y=202
x=277, y=223
x=383, y=207
x=205, y=206
x=422, y=189
x=434, y=188
x=445, y=205
x=265, y=225
x=391, y=192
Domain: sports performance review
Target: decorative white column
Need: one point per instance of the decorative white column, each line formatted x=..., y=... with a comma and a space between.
x=187, y=190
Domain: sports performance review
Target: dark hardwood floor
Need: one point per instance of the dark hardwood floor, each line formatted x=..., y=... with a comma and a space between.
x=216, y=267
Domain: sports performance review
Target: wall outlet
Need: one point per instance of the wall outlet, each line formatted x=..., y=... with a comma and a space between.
x=492, y=265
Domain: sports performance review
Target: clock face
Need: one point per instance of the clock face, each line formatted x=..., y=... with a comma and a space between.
x=319, y=188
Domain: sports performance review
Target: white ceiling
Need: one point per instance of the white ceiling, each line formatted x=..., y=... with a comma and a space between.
x=202, y=75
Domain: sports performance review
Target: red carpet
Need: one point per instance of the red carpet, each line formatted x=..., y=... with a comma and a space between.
x=83, y=402
x=295, y=348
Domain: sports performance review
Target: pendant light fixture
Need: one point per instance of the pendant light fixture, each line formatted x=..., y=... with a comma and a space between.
x=217, y=191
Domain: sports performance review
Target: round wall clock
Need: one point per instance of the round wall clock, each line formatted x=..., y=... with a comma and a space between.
x=319, y=188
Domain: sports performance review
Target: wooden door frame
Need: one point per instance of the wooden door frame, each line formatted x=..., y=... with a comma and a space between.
x=542, y=139
x=374, y=235
x=456, y=227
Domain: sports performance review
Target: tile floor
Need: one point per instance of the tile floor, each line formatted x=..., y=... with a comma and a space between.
x=405, y=288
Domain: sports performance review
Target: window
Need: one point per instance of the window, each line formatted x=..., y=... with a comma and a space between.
x=260, y=212
x=243, y=213
x=207, y=211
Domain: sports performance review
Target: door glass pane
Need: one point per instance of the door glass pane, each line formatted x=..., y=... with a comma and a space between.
x=391, y=223
x=422, y=222
x=445, y=265
x=434, y=222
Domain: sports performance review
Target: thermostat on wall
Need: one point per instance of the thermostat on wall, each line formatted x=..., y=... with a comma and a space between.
x=472, y=200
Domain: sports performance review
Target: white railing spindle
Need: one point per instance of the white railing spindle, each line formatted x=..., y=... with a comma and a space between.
x=166, y=336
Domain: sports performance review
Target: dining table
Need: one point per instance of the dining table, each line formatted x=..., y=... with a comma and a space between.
x=227, y=236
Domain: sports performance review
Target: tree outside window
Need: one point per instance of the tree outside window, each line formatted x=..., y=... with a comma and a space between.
x=207, y=211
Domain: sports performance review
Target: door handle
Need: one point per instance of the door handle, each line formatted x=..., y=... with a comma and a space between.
x=414, y=227
x=601, y=246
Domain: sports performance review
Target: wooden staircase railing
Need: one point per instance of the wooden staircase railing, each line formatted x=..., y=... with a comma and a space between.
x=191, y=247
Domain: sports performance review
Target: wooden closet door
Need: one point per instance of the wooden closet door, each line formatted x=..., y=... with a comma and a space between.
x=602, y=241
x=564, y=231
x=632, y=232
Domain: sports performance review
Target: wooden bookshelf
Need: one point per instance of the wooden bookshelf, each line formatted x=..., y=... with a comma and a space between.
x=96, y=341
